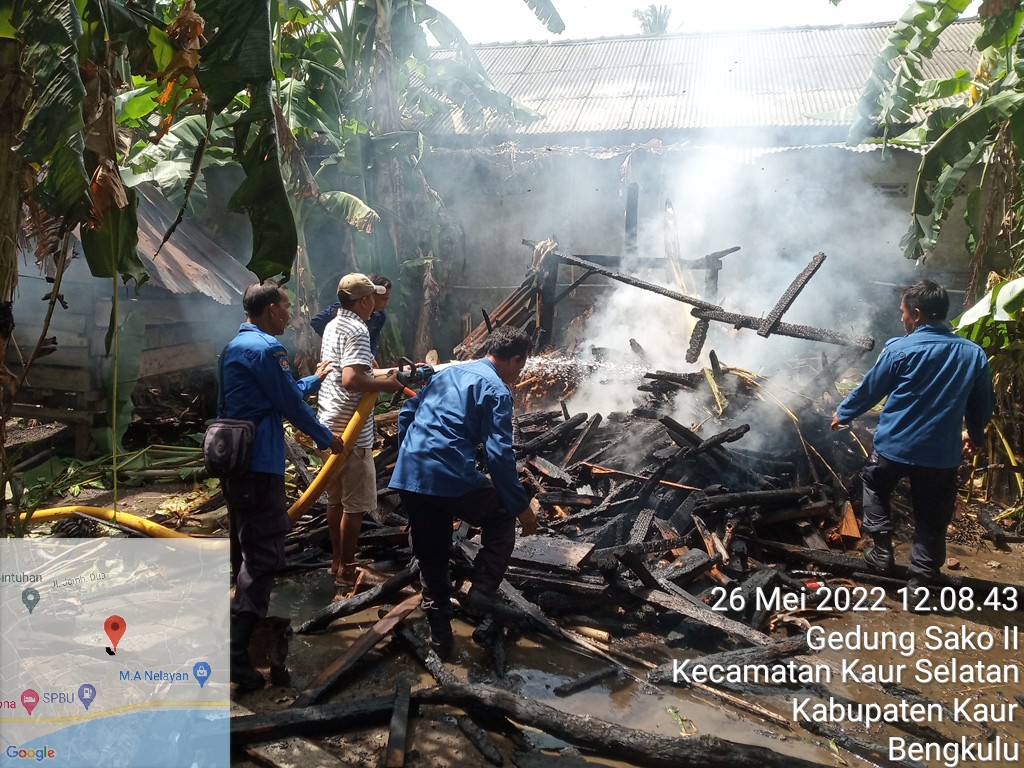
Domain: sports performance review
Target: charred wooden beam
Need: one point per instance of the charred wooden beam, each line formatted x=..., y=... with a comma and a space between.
x=722, y=458
x=478, y=737
x=515, y=597
x=594, y=588
x=995, y=532
x=394, y=754
x=614, y=741
x=311, y=721
x=694, y=609
x=549, y=470
x=608, y=555
x=289, y=752
x=728, y=436
x=752, y=498
x=589, y=428
x=597, y=470
x=698, y=336
x=576, y=284
x=552, y=436
x=713, y=547
x=588, y=680
x=802, y=511
x=384, y=591
x=688, y=566
x=806, y=332
x=690, y=380
x=330, y=677
x=641, y=525
x=566, y=499
x=547, y=279
x=783, y=305
x=636, y=564
x=588, y=265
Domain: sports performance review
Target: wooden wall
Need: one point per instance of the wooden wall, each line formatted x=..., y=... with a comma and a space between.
x=182, y=333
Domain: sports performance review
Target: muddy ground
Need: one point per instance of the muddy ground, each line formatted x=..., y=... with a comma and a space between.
x=536, y=665
x=539, y=664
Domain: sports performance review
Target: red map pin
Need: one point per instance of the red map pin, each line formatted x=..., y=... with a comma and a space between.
x=115, y=627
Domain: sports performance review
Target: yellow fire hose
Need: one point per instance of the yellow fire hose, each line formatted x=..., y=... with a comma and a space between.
x=335, y=462
x=151, y=529
x=155, y=530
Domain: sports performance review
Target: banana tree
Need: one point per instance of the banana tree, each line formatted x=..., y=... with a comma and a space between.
x=64, y=65
x=970, y=128
x=387, y=76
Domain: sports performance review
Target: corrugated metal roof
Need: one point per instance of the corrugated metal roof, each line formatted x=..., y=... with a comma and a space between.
x=807, y=76
x=190, y=262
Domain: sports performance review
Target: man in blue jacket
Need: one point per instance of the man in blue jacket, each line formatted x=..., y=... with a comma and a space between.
x=257, y=385
x=460, y=408
x=935, y=381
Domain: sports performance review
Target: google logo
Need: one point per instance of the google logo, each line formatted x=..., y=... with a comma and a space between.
x=43, y=753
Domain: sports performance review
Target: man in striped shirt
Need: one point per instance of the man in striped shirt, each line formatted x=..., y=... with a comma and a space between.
x=353, y=490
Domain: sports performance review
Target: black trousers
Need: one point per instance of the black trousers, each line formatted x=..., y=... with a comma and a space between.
x=933, y=497
x=258, y=514
x=430, y=529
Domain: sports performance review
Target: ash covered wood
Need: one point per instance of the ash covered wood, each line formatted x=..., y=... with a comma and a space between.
x=650, y=520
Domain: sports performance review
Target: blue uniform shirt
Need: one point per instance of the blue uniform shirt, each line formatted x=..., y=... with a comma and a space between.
x=258, y=385
x=935, y=381
x=460, y=408
x=375, y=324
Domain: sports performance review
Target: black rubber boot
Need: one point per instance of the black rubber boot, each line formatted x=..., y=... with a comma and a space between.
x=439, y=619
x=480, y=601
x=879, y=558
x=243, y=673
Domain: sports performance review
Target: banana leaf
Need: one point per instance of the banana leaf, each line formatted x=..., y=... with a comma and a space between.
x=112, y=246
x=889, y=95
x=239, y=53
x=350, y=208
x=64, y=190
x=987, y=322
x=262, y=195
x=50, y=30
x=545, y=11
x=120, y=376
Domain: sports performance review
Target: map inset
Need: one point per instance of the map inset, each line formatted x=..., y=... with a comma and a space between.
x=114, y=653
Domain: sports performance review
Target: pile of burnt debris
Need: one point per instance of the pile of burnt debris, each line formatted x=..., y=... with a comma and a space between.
x=658, y=540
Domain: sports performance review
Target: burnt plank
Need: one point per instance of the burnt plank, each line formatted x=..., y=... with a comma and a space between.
x=330, y=677
x=394, y=754
x=586, y=681
x=786, y=301
x=311, y=721
x=589, y=428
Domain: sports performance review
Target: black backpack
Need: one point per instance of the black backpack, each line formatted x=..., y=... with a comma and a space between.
x=227, y=445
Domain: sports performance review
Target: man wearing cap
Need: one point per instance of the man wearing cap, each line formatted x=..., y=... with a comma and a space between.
x=353, y=490
x=256, y=384
x=377, y=320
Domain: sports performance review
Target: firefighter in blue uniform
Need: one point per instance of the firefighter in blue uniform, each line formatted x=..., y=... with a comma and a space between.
x=258, y=386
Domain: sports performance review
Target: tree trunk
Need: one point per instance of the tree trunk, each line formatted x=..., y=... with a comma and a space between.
x=13, y=99
x=14, y=91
